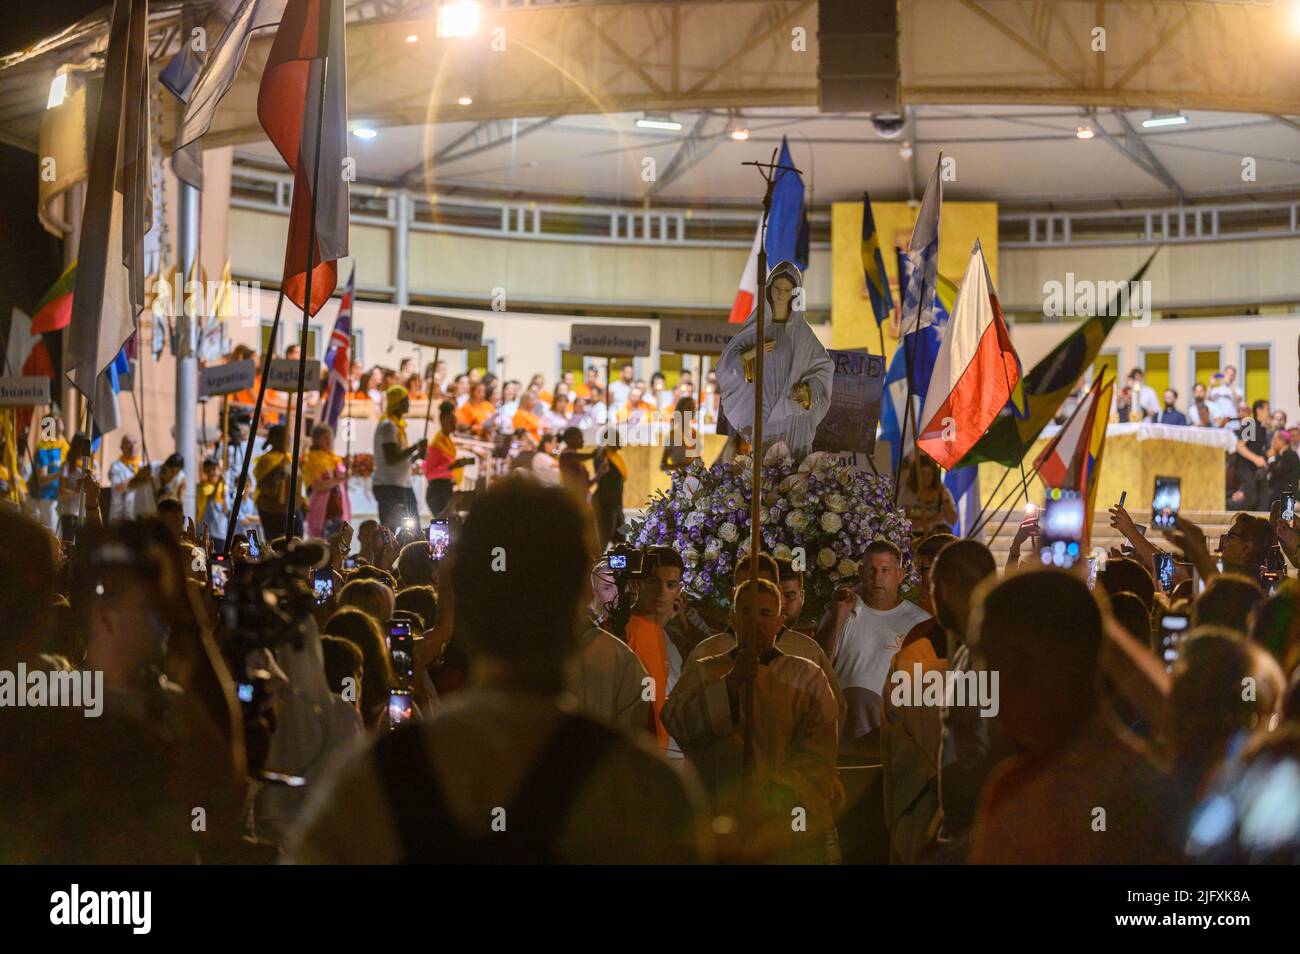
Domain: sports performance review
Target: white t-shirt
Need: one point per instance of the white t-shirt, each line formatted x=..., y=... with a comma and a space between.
x=386, y=474
x=122, y=505
x=869, y=642
x=618, y=392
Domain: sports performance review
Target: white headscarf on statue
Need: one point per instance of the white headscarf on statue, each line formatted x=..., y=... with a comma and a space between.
x=796, y=357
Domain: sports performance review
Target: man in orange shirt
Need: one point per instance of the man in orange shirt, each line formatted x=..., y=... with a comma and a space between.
x=477, y=411
x=588, y=388
x=637, y=409
x=657, y=592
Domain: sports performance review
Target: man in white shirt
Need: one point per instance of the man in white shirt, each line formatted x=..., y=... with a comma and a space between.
x=861, y=632
x=156, y=483
x=1222, y=401
x=1145, y=405
x=620, y=389
x=120, y=474
x=609, y=683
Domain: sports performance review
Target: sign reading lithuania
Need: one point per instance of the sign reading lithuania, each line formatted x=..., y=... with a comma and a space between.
x=24, y=392
x=439, y=331
x=610, y=341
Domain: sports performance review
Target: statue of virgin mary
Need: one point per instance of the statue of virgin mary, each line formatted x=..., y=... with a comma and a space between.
x=797, y=371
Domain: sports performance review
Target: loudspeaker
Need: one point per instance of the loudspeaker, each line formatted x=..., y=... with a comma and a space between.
x=857, y=67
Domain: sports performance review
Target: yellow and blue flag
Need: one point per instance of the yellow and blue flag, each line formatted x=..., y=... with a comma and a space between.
x=873, y=265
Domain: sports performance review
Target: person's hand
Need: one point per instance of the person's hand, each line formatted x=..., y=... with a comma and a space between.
x=1190, y=540
x=89, y=486
x=801, y=394
x=422, y=447
x=842, y=601
x=1114, y=553
x=1288, y=537
x=1028, y=528
x=1121, y=521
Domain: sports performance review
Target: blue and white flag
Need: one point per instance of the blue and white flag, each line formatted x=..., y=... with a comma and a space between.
x=964, y=485
x=923, y=259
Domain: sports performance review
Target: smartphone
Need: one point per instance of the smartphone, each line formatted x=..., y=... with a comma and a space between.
x=1092, y=573
x=400, y=707
x=254, y=548
x=1061, y=526
x=218, y=575
x=1163, y=570
x=67, y=529
x=439, y=533
x=1165, y=502
x=322, y=585
x=401, y=649
x=1173, y=627
x=1288, y=506
x=618, y=561
x=1123, y=496
x=350, y=563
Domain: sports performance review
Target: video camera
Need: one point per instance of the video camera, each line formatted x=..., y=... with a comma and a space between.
x=265, y=606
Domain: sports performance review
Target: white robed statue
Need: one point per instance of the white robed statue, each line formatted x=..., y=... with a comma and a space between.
x=797, y=371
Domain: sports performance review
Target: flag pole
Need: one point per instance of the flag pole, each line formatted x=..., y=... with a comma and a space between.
x=291, y=507
x=257, y=420
x=428, y=405
x=911, y=374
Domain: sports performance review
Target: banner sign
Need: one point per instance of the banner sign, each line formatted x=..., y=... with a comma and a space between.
x=284, y=375
x=439, y=331
x=850, y=423
x=235, y=376
x=24, y=392
x=694, y=335
x=610, y=341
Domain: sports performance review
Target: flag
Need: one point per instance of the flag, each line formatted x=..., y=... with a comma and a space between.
x=784, y=222
x=108, y=413
x=1064, y=461
x=748, y=292
x=786, y=217
x=964, y=485
x=1100, y=419
x=1047, y=385
x=54, y=310
x=338, y=359
x=199, y=78
x=923, y=259
x=309, y=45
x=108, y=293
x=916, y=354
x=873, y=266
x=975, y=371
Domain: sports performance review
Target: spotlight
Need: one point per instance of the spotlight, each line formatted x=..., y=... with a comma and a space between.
x=365, y=132
x=412, y=38
x=1084, y=132
x=888, y=125
x=649, y=121
x=740, y=134
x=458, y=18
x=466, y=100
x=1164, y=117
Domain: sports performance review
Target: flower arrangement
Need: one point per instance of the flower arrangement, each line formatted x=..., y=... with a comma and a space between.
x=822, y=504
x=361, y=465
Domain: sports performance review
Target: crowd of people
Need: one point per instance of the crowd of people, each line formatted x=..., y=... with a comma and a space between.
x=1266, y=459
x=532, y=694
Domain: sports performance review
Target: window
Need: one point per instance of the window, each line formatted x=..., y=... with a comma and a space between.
x=313, y=345
x=671, y=366
x=1255, y=374
x=1205, y=364
x=1155, y=367
x=357, y=346
x=266, y=342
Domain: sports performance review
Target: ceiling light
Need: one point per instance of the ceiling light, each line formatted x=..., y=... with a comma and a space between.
x=658, y=122
x=412, y=38
x=365, y=132
x=1084, y=132
x=58, y=90
x=740, y=134
x=458, y=18
x=1164, y=117
x=466, y=100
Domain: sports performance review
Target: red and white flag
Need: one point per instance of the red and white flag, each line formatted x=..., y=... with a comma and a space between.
x=975, y=372
x=1065, y=461
x=308, y=41
x=748, y=293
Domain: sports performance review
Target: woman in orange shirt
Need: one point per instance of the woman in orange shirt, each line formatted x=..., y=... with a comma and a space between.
x=477, y=411
x=526, y=418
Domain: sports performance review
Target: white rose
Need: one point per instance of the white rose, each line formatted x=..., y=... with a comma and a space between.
x=691, y=556
x=796, y=520
x=847, y=567
x=743, y=462
x=831, y=522
x=836, y=503
x=777, y=453
x=729, y=532
x=826, y=558
x=781, y=552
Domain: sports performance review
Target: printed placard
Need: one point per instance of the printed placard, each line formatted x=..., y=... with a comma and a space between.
x=234, y=376
x=610, y=341
x=439, y=331
x=850, y=422
x=283, y=375
x=694, y=335
x=24, y=391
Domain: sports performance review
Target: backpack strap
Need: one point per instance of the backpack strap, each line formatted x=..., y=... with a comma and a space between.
x=416, y=800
